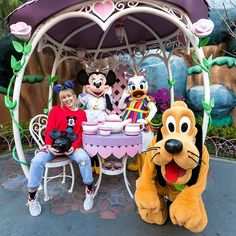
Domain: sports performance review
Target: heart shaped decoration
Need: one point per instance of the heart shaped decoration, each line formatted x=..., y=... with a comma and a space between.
x=119, y=152
x=104, y=152
x=103, y=9
x=90, y=149
x=133, y=150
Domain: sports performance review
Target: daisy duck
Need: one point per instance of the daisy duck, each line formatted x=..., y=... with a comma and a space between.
x=97, y=80
x=141, y=108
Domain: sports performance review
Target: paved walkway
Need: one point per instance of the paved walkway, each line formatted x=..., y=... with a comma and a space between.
x=115, y=213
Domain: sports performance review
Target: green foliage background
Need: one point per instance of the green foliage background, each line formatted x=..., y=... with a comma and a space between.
x=6, y=7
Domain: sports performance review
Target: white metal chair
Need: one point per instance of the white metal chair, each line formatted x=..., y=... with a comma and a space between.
x=37, y=128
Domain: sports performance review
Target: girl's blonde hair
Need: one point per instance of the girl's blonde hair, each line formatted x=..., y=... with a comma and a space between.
x=66, y=91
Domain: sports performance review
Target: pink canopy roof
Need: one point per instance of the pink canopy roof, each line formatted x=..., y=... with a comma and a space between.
x=36, y=12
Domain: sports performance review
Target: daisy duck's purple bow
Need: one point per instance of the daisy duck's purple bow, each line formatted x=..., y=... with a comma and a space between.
x=142, y=72
x=58, y=87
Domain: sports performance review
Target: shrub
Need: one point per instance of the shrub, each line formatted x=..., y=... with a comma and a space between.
x=6, y=133
x=162, y=98
x=227, y=132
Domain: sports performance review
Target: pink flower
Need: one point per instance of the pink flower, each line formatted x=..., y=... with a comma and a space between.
x=202, y=28
x=21, y=30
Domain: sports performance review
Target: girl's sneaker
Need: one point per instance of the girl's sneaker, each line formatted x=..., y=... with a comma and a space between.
x=34, y=207
x=88, y=202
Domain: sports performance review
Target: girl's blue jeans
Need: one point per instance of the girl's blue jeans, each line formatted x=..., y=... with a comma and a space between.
x=43, y=156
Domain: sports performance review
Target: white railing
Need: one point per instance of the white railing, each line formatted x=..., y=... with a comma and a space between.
x=221, y=147
x=217, y=146
x=7, y=140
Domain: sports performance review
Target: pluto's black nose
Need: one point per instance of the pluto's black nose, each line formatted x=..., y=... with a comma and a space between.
x=173, y=146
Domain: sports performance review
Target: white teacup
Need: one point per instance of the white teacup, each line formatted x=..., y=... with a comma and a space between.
x=89, y=126
x=133, y=128
x=104, y=130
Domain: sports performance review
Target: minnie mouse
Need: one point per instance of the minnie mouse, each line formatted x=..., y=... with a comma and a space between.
x=97, y=79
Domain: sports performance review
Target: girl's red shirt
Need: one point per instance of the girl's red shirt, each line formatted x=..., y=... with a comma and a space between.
x=60, y=118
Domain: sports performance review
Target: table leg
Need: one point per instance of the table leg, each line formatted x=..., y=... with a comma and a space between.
x=99, y=178
x=124, y=161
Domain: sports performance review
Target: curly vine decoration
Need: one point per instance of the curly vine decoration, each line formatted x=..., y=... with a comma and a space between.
x=24, y=48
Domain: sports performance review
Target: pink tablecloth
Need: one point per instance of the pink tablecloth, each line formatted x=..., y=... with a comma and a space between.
x=117, y=144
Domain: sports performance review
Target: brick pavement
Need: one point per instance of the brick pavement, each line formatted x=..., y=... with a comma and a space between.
x=111, y=200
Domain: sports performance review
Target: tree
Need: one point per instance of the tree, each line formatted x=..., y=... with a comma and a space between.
x=227, y=15
x=6, y=7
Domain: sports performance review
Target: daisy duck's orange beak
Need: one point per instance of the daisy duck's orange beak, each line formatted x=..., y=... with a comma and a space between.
x=139, y=93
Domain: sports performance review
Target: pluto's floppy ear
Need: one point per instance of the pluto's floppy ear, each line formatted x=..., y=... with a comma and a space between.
x=159, y=177
x=198, y=143
x=159, y=134
x=55, y=134
x=82, y=77
x=199, y=140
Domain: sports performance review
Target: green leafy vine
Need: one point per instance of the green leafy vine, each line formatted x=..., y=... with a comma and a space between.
x=21, y=47
x=208, y=108
x=206, y=66
x=171, y=83
x=51, y=81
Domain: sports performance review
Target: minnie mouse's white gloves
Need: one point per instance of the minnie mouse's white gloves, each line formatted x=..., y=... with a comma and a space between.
x=109, y=92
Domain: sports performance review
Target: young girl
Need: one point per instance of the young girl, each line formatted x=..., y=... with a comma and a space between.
x=60, y=118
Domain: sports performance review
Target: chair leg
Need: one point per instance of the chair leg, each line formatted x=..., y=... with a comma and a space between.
x=40, y=187
x=72, y=178
x=64, y=175
x=46, y=198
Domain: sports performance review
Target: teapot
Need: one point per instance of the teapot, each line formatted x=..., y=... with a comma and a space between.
x=115, y=122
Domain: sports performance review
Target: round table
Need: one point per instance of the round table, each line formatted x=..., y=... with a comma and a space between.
x=119, y=145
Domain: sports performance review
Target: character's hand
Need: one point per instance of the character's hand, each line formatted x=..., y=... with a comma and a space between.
x=108, y=102
x=189, y=213
x=54, y=151
x=108, y=91
x=142, y=121
x=147, y=199
x=151, y=206
x=70, y=151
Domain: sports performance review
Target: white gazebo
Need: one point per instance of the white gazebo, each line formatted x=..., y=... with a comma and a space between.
x=86, y=30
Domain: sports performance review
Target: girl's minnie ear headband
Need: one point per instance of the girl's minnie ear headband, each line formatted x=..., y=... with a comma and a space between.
x=58, y=87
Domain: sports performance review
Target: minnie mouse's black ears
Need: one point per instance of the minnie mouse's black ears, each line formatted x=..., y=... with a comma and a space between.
x=55, y=134
x=111, y=78
x=82, y=77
